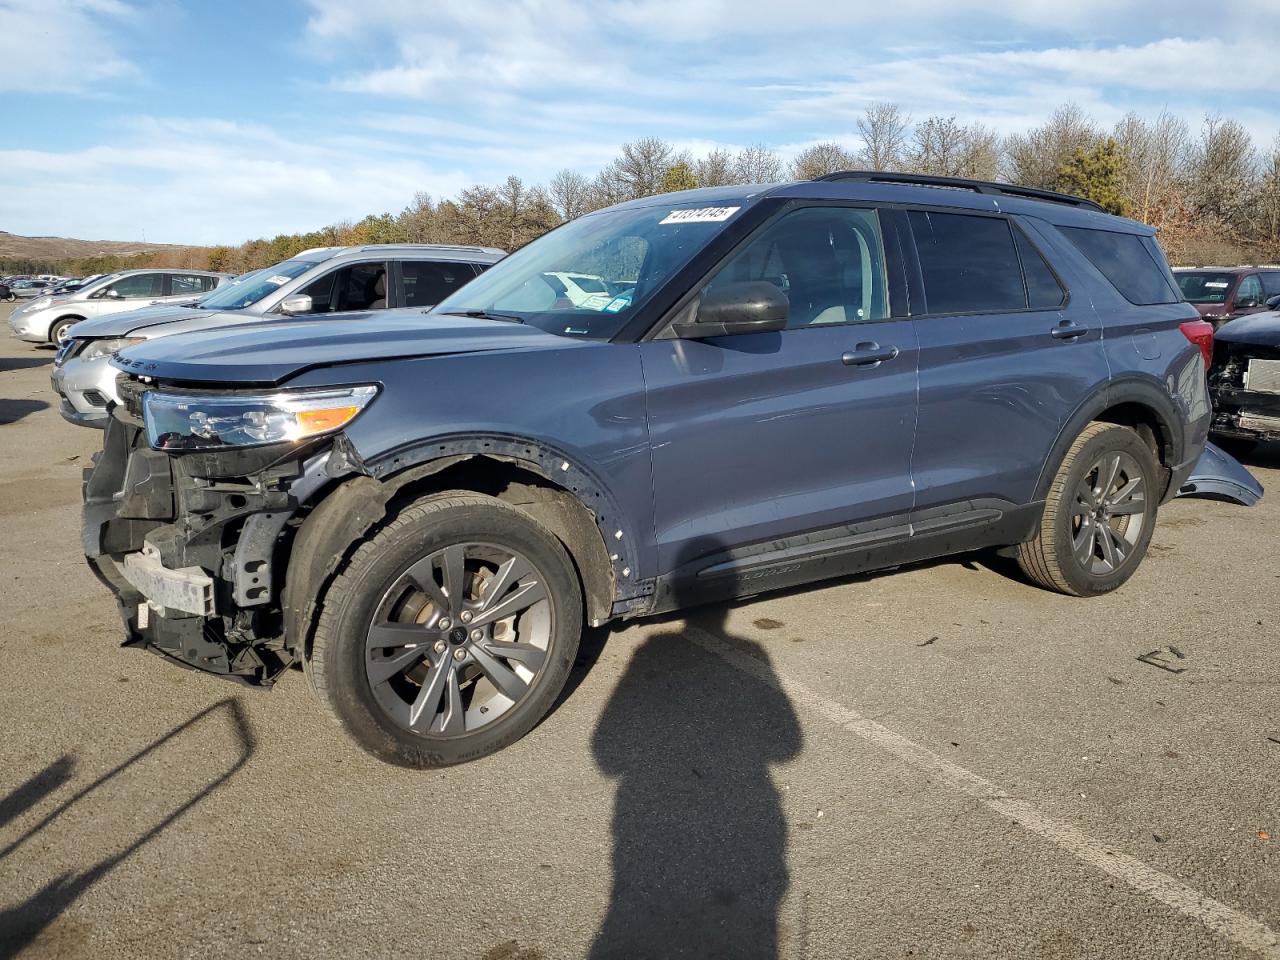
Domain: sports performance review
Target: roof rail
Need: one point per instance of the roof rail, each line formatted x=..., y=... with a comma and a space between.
x=960, y=183
x=460, y=247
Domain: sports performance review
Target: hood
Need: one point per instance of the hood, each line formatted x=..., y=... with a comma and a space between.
x=127, y=321
x=1257, y=329
x=1211, y=311
x=270, y=352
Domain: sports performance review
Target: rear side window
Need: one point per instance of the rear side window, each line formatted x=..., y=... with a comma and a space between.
x=180, y=284
x=1123, y=258
x=1043, y=290
x=1250, y=292
x=425, y=283
x=969, y=264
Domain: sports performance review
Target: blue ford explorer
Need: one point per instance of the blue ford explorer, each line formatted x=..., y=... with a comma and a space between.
x=685, y=398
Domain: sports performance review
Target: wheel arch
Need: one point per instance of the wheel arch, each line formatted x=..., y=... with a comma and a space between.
x=74, y=317
x=1141, y=404
x=541, y=481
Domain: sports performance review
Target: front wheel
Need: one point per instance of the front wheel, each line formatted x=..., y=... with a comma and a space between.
x=1099, y=514
x=59, y=331
x=450, y=633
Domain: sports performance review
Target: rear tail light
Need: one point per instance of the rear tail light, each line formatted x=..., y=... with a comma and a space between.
x=1200, y=332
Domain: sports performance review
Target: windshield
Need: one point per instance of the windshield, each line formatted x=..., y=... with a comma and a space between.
x=587, y=278
x=1205, y=287
x=254, y=286
x=102, y=281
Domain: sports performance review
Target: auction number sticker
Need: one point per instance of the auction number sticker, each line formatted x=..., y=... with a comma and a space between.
x=700, y=215
x=277, y=280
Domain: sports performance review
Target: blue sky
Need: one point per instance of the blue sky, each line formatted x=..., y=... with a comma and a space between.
x=217, y=122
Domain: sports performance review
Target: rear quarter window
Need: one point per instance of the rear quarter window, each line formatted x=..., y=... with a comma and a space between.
x=1125, y=260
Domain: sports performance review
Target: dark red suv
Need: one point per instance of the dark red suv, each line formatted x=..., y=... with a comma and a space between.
x=1223, y=293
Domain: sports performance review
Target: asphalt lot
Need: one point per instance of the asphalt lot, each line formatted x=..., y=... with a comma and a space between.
x=940, y=762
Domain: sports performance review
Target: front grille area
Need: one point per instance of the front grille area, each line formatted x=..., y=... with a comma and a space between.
x=95, y=398
x=1263, y=376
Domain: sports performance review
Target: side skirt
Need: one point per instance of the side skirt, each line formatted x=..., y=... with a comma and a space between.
x=844, y=551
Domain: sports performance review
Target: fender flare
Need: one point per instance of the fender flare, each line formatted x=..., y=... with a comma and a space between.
x=1144, y=391
x=366, y=487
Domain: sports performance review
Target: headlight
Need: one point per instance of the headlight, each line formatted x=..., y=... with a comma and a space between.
x=206, y=422
x=104, y=348
x=39, y=302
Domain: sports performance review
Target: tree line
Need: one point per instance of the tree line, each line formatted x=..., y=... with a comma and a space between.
x=1212, y=193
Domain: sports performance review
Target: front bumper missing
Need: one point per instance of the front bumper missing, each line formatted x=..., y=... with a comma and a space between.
x=193, y=539
x=189, y=590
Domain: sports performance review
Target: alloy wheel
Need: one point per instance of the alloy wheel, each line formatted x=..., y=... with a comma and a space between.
x=459, y=639
x=1108, y=514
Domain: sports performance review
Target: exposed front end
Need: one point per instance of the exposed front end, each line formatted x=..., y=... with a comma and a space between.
x=187, y=537
x=1245, y=389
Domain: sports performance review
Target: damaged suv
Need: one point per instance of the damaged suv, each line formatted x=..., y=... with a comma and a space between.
x=772, y=385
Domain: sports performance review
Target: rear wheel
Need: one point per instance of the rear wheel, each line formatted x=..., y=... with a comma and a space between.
x=450, y=634
x=1099, y=514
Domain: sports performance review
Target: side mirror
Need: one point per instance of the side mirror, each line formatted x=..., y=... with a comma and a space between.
x=1274, y=303
x=752, y=306
x=1246, y=304
x=295, y=305
x=111, y=294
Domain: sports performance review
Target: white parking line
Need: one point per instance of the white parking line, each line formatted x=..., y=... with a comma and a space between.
x=1218, y=917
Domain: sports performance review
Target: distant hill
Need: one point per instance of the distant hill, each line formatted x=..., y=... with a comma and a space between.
x=13, y=246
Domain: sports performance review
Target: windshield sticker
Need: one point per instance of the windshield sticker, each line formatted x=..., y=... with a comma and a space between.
x=1216, y=284
x=277, y=280
x=700, y=215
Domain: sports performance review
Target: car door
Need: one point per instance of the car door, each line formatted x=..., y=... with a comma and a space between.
x=1249, y=297
x=1006, y=355
x=424, y=283
x=774, y=449
x=128, y=293
x=351, y=287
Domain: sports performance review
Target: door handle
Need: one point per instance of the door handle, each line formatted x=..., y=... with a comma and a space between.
x=868, y=354
x=1068, y=330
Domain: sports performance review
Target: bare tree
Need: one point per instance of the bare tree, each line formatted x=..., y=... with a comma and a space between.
x=980, y=154
x=937, y=147
x=570, y=194
x=1222, y=173
x=1034, y=158
x=820, y=159
x=883, y=129
x=639, y=169
x=1155, y=156
x=417, y=221
x=715, y=169
x=757, y=164
x=1268, y=221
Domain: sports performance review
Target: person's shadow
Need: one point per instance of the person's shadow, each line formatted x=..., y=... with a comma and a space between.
x=699, y=836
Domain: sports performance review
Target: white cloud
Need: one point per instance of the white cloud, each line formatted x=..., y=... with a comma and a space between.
x=62, y=46
x=206, y=182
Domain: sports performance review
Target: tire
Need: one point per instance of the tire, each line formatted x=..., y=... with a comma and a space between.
x=1090, y=543
x=58, y=332
x=390, y=640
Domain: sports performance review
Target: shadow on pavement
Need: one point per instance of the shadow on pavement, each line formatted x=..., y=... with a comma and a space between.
x=24, y=363
x=11, y=411
x=36, y=789
x=21, y=923
x=699, y=835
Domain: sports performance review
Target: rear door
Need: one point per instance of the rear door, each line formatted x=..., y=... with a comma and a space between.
x=769, y=444
x=1006, y=355
x=424, y=283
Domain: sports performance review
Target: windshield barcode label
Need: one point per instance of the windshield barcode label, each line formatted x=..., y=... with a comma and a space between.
x=700, y=215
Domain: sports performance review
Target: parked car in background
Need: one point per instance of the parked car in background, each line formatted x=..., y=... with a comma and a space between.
x=792, y=382
x=1224, y=293
x=29, y=289
x=48, y=319
x=72, y=284
x=5, y=293
x=1244, y=383
x=315, y=283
